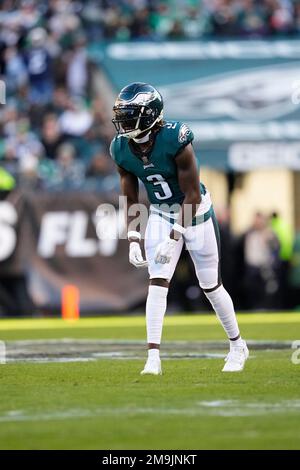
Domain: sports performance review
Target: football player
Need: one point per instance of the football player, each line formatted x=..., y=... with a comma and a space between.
x=161, y=155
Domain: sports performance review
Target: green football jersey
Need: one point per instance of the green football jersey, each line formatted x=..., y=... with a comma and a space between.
x=159, y=173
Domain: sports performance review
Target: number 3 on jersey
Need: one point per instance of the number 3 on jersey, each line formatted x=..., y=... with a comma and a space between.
x=164, y=192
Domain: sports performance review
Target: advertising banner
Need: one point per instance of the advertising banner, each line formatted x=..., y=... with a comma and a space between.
x=241, y=98
x=53, y=239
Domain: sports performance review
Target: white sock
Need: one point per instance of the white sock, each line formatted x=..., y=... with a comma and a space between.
x=156, y=307
x=223, y=306
x=153, y=353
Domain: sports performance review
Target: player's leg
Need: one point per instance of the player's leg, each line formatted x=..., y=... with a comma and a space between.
x=203, y=242
x=160, y=275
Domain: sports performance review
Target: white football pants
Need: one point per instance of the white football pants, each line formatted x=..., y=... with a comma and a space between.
x=201, y=240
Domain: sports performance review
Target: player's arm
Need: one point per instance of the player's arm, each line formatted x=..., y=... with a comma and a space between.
x=188, y=179
x=130, y=189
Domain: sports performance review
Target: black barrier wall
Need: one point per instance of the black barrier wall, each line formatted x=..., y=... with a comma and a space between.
x=50, y=240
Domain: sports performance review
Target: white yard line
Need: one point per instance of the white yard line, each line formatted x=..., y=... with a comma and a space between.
x=107, y=355
x=223, y=408
x=108, y=342
x=83, y=350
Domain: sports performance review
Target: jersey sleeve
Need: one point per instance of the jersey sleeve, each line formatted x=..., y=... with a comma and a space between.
x=184, y=137
x=179, y=136
x=115, y=150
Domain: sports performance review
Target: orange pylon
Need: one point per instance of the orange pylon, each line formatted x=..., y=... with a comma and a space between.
x=70, y=302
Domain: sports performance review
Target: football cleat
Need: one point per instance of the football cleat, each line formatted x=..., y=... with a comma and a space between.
x=152, y=367
x=236, y=358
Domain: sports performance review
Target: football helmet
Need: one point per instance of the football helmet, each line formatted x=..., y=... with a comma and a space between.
x=137, y=109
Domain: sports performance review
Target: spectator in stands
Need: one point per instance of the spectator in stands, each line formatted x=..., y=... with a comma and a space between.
x=39, y=68
x=139, y=26
x=177, y=31
x=60, y=100
x=222, y=18
x=227, y=249
x=71, y=171
x=77, y=68
x=9, y=119
x=102, y=128
x=281, y=17
x=76, y=120
x=64, y=20
x=294, y=274
x=261, y=257
x=21, y=144
x=285, y=236
x=252, y=19
x=100, y=165
x=296, y=16
x=15, y=70
x=28, y=15
x=195, y=23
x=92, y=17
x=7, y=182
x=52, y=137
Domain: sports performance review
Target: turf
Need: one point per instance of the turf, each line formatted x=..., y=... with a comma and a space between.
x=279, y=326
x=106, y=404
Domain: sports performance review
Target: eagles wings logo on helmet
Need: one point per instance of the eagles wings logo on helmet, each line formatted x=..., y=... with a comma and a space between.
x=137, y=109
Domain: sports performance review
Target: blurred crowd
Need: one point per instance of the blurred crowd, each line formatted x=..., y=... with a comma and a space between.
x=192, y=19
x=260, y=268
x=54, y=131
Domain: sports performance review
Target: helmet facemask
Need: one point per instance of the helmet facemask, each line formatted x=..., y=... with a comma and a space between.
x=131, y=120
x=137, y=110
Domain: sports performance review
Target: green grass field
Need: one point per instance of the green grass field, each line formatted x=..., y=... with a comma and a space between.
x=103, y=403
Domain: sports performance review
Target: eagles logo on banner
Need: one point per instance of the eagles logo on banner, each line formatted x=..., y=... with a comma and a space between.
x=239, y=98
x=53, y=239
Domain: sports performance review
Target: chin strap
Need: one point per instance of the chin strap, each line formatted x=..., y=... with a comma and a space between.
x=137, y=132
x=143, y=140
